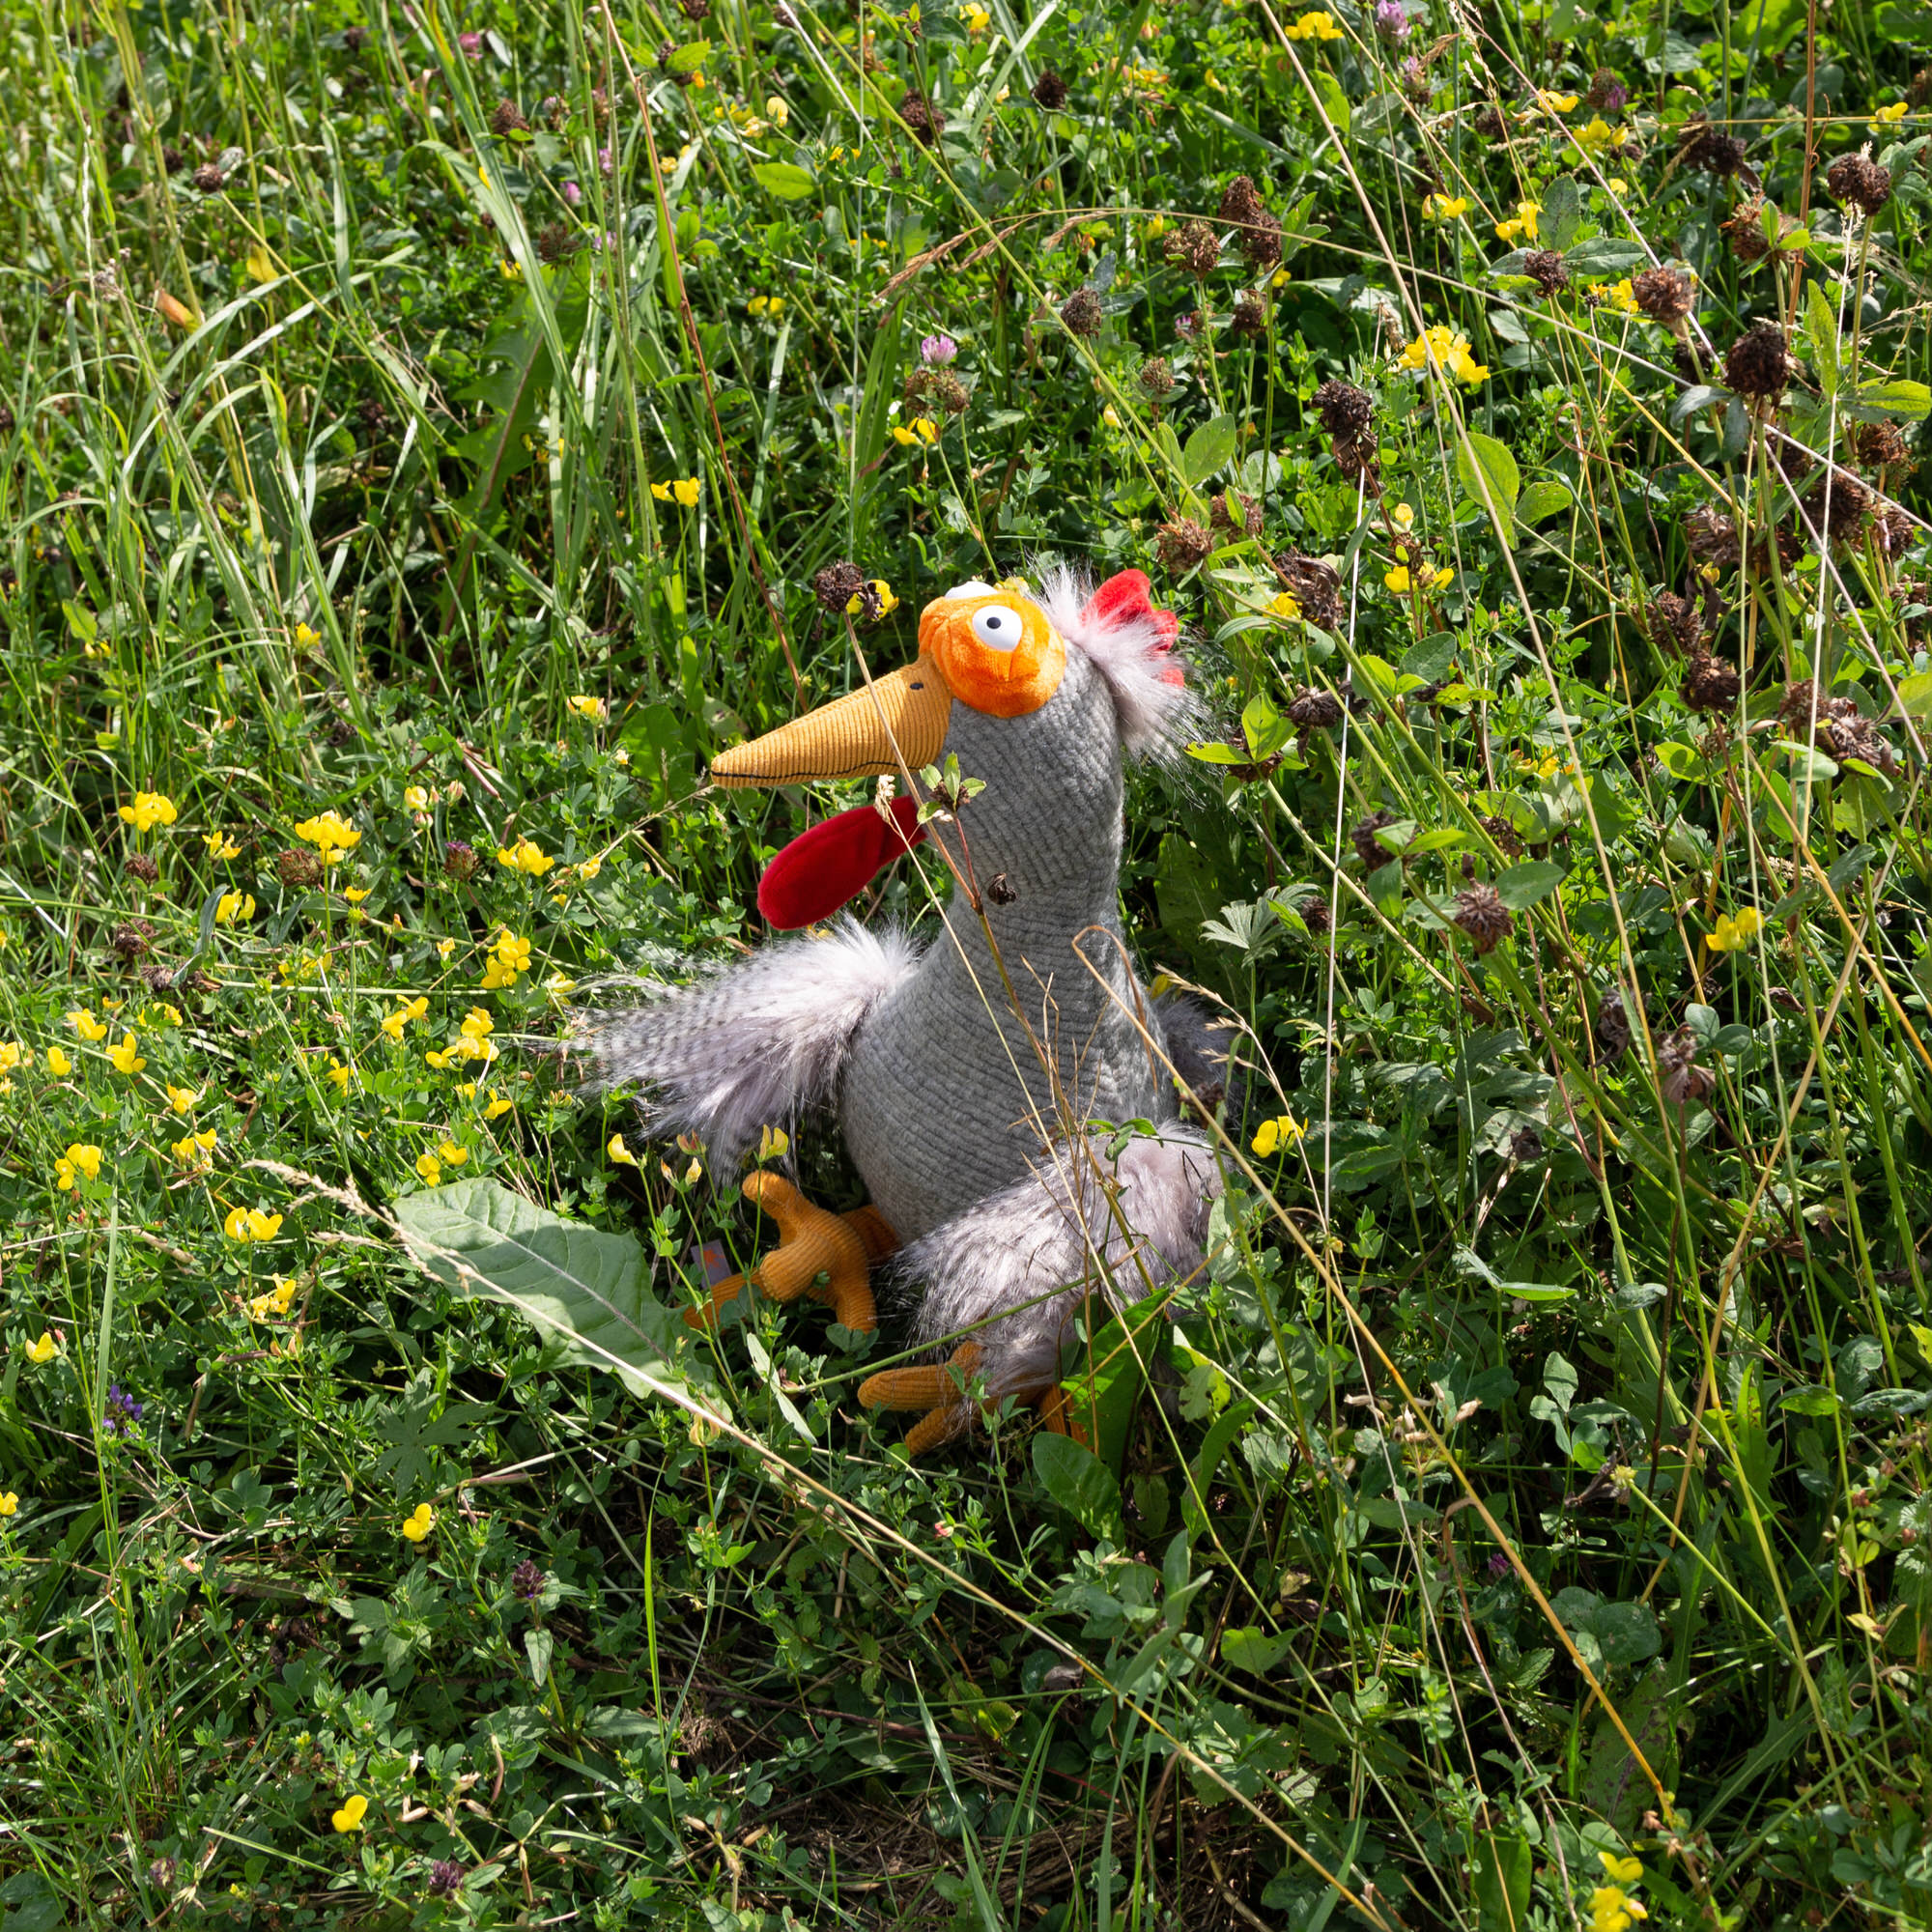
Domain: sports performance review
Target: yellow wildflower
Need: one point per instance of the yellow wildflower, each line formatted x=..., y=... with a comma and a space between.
x=777, y=112
x=478, y=1024
x=342, y=1076
x=512, y=951
x=1283, y=1131
x=58, y=1064
x=452, y=1154
x=193, y=1148
x=526, y=855
x=1614, y=1909
x=1285, y=607
x=1447, y=349
x=1732, y=935
x=773, y=1143
x=86, y=1025
x=498, y=1106
x=686, y=491
x=251, y=1224
x=559, y=984
x=1403, y=516
x=350, y=1817
x=220, y=845
x=592, y=708
x=416, y=1525
x=1890, y=116
x=127, y=1057
x=923, y=429
x=409, y=1010
x=589, y=868
x=1444, y=207
x=1524, y=226
x=182, y=1099
x=445, y=947
x=619, y=1152
x=12, y=1054
x=976, y=19
x=882, y=592
x=1621, y=296
x=41, y=1351
x=1597, y=135
x=331, y=833
x=10, y=1503
x=307, y=638
x=232, y=906
x=1618, y=188
x=1556, y=104
x=440, y=1061
x=416, y=798
x=356, y=895
x=80, y=1160
x=150, y=809
x=1315, y=26
x=1621, y=1871
x=430, y=1168
x=1397, y=579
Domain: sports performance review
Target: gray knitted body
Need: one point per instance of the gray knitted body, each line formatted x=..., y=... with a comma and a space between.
x=976, y=1152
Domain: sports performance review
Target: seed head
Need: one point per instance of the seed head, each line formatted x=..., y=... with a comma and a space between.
x=459, y=860
x=1547, y=268
x=925, y=122
x=508, y=118
x=1182, y=544
x=1857, y=180
x=1050, y=91
x=1480, y=911
x=1250, y=318
x=1879, y=445
x=1608, y=93
x=1345, y=409
x=1315, y=710
x=1157, y=377
x=1081, y=313
x=1613, y=1027
x=1316, y=586
x=1712, y=150
x=837, y=584
x=131, y=939
x=1663, y=294
x=140, y=865
x=1711, y=536
x=1674, y=624
x=1370, y=849
x=1195, y=248
x=209, y=178
x=1836, y=507
x=1758, y=365
x=1710, y=684
x=1234, y=513
x=1257, y=234
x=1744, y=229
x=1504, y=834
x=1679, y=1075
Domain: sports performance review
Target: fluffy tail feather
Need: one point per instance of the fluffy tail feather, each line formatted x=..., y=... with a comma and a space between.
x=752, y=1044
x=1022, y=1261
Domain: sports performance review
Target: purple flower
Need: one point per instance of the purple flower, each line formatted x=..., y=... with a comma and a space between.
x=1391, y=20
x=606, y=162
x=573, y=195
x=472, y=45
x=444, y=1876
x=526, y=1580
x=937, y=350
x=1499, y=1564
x=122, y=1411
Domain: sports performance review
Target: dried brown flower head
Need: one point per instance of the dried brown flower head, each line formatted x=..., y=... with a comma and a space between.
x=1182, y=544
x=1711, y=536
x=1710, y=150
x=1345, y=409
x=131, y=938
x=837, y=584
x=1674, y=624
x=1157, y=377
x=1679, y=1076
x=1315, y=710
x=1663, y=293
x=1050, y=91
x=1370, y=849
x=1314, y=586
x=298, y=869
x=1744, y=229
x=1250, y=318
x=1234, y=513
x=1547, y=268
x=1195, y=248
x=1836, y=506
x=1613, y=1027
x=1080, y=314
x=923, y=120
x=1879, y=445
x=1480, y=911
x=507, y=117
x=209, y=178
x=139, y=866
x=1710, y=684
x=1758, y=365
x=1857, y=180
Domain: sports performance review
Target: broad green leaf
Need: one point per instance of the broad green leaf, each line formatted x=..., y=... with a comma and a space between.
x=1265, y=730
x=689, y=58
x=1681, y=761
x=1103, y=1391
x=783, y=179
x=1489, y=475
x=1500, y=1872
x=1814, y=1400
x=1251, y=1649
x=1544, y=499
x=1078, y=1481
x=1602, y=256
x=1334, y=102
x=1898, y=398
x=588, y=1290
x=1209, y=449
x=1521, y=886
x=1915, y=693
x=1821, y=330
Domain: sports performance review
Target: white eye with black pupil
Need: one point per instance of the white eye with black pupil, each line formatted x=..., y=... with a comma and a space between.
x=998, y=628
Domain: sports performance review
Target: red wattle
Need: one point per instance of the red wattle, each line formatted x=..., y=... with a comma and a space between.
x=820, y=869
x=1126, y=598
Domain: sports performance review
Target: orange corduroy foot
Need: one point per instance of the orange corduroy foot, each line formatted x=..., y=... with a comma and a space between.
x=940, y=1389
x=825, y=1256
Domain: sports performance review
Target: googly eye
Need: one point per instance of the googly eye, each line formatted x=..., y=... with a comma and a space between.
x=997, y=627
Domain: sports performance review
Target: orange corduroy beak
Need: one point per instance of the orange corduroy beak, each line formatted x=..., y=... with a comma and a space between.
x=898, y=721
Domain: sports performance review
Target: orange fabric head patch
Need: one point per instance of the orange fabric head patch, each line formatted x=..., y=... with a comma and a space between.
x=995, y=650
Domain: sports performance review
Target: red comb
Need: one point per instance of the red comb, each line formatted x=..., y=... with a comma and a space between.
x=820, y=869
x=1126, y=598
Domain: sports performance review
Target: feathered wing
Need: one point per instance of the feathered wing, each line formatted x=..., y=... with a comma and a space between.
x=1022, y=1261
x=752, y=1044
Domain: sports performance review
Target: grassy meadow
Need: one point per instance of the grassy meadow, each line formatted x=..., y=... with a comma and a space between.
x=422, y=436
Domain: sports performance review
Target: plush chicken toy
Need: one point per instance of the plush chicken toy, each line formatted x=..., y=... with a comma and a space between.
x=971, y=1074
